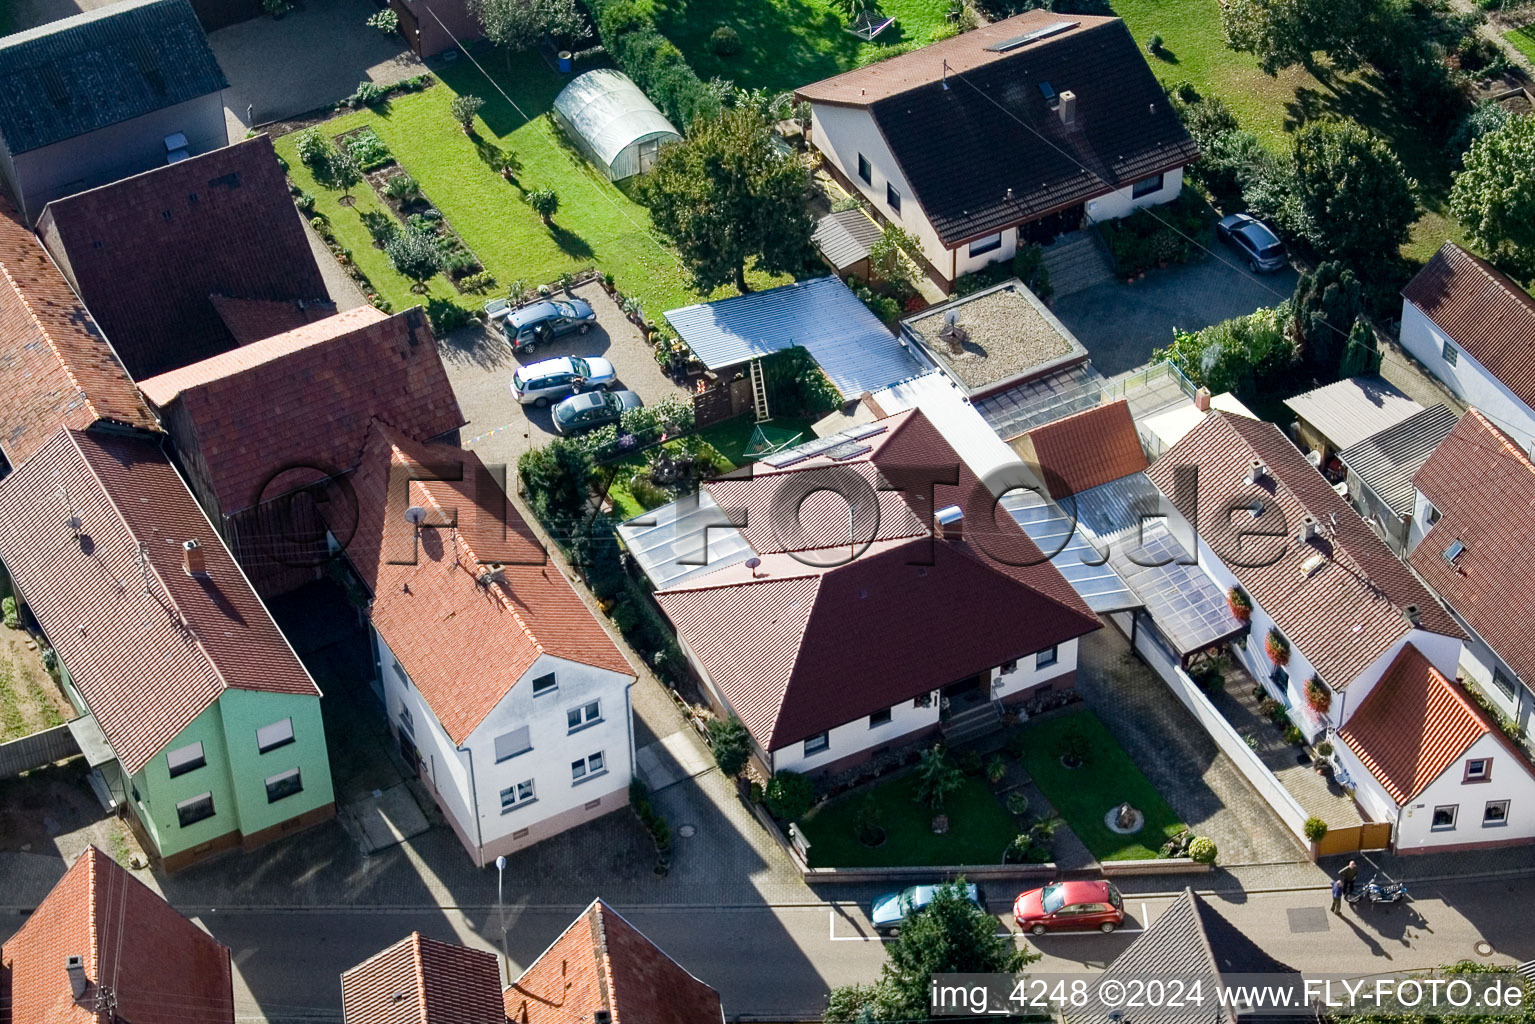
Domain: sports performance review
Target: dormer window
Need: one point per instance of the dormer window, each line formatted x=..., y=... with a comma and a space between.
x=1454, y=551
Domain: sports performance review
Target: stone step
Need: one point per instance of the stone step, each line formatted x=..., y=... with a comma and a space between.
x=972, y=722
x=1076, y=262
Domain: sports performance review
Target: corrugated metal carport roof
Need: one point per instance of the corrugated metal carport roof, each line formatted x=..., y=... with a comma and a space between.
x=853, y=348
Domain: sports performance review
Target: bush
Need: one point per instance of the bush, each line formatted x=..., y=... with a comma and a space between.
x=11, y=611
x=937, y=779
x=1017, y=803
x=414, y=253
x=1202, y=850
x=305, y=202
x=656, y=66
x=788, y=796
x=795, y=383
x=369, y=151
x=1154, y=44
x=731, y=743
x=996, y=769
x=725, y=41
x=479, y=283
x=1017, y=744
x=1315, y=828
x=544, y=201
x=315, y=151
x=380, y=224
x=869, y=822
x=366, y=95
x=1244, y=355
x=1143, y=240
x=464, y=108
x=845, y=203
x=970, y=763
x=386, y=21
x=445, y=315
x=402, y=188
x=1292, y=734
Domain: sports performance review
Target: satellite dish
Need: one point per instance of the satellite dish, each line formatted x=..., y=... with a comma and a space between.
x=1314, y=457
x=752, y=563
x=415, y=515
x=951, y=317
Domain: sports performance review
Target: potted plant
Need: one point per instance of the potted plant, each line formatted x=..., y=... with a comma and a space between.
x=1315, y=828
x=1318, y=695
x=1277, y=647
x=1240, y=604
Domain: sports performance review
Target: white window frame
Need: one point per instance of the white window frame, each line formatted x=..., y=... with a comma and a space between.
x=1450, y=353
x=282, y=741
x=585, y=716
x=982, y=246
x=1048, y=657
x=518, y=799
x=1454, y=810
x=588, y=767
x=1483, y=772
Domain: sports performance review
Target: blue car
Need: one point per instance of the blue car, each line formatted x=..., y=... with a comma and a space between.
x=892, y=910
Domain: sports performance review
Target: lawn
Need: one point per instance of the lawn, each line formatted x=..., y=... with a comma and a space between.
x=732, y=436
x=786, y=43
x=597, y=224
x=1523, y=40
x=980, y=828
x=1195, y=51
x=1108, y=778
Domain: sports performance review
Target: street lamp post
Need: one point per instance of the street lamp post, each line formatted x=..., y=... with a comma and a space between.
x=506, y=965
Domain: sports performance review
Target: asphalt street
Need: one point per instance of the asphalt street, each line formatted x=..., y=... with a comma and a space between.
x=777, y=963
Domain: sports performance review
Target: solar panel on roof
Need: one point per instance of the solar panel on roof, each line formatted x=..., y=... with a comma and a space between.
x=846, y=450
x=867, y=430
x=782, y=459
x=1053, y=29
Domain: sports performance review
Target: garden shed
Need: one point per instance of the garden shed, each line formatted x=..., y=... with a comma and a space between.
x=614, y=123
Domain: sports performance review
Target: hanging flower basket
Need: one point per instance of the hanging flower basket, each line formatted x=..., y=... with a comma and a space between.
x=1318, y=696
x=1278, y=648
x=1240, y=604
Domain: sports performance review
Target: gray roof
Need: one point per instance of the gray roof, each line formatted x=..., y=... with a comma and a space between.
x=1190, y=941
x=74, y=76
x=1348, y=411
x=844, y=237
x=1386, y=461
x=852, y=347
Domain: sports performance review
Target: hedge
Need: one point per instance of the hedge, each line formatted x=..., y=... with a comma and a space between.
x=653, y=61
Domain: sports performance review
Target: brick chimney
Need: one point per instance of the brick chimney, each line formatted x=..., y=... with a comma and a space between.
x=192, y=559
x=74, y=967
x=1202, y=399
x=949, y=524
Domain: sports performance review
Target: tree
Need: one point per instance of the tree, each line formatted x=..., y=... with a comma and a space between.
x=937, y=778
x=731, y=743
x=557, y=478
x=1361, y=352
x=1283, y=33
x=1494, y=197
x=885, y=252
x=344, y=173
x=726, y=195
x=1359, y=202
x=789, y=795
x=1327, y=302
x=545, y=202
x=951, y=935
x=464, y=107
x=519, y=24
x=415, y=254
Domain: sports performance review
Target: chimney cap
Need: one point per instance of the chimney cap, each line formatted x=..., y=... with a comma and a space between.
x=192, y=560
x=947, y=516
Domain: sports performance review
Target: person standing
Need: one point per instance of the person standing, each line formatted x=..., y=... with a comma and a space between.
x=1349, y=873
x=1337, y=895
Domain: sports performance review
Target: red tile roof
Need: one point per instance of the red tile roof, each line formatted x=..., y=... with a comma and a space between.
x=1344, y=611
x=966, y=52
x=1086, y=449
x=1412, y=725
x=161, y=968
x=148, y=646
x=1488, y=315
x=464, y=645
x=147, y=252
x=602, y=962
x=249, y=320
x=1484, y=488
x=303, y=398
x=56, y=370
x=423, y=981
x=811, y=640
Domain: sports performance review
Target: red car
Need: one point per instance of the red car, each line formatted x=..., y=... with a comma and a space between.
x=1063, y=905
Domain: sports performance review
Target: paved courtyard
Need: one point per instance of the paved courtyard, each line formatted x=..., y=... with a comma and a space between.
x=480, y=365
x=1176, y=754
x=1120, y=324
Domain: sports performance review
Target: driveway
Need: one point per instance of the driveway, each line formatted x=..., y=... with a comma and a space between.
x=1121, y=323
x=311, y=57
x=480, y=365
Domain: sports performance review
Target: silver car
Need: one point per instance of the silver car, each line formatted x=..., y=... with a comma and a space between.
x=1254, y=240
x=543, y=382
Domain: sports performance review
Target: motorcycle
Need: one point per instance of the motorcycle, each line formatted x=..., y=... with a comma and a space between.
x=1377, y=892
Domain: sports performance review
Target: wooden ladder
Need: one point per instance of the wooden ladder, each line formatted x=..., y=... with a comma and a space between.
x=759, y=392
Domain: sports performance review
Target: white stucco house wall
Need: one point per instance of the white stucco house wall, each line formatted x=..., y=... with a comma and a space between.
x=1474, y=329
x=1425, y=758
x=978, y=143
x=501, y=687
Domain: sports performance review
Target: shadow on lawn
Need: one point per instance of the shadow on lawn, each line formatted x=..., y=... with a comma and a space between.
x=570, y=243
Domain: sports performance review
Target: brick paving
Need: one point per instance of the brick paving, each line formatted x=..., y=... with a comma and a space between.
x=1176, y=754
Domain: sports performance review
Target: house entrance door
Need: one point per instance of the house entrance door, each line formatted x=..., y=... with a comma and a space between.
x=968, y=692
x=409, y=752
